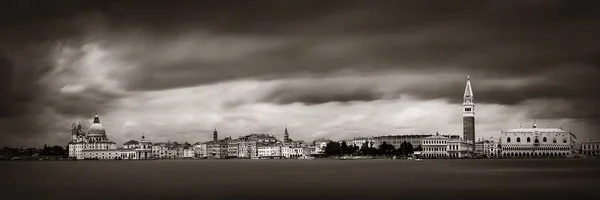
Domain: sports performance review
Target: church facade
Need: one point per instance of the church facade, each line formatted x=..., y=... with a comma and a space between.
x=94, y=144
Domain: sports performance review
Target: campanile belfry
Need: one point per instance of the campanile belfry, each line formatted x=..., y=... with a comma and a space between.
x=469, y=115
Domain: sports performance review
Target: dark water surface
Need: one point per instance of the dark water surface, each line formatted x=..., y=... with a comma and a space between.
x=300, y=179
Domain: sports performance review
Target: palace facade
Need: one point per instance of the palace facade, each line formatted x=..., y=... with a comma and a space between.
x=537, y=142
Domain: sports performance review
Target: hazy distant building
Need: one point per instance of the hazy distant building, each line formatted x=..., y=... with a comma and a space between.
x=469, y=114
x=269, y=150
x=537, y=142
x=93, y=145
x=590, y=147
x=397, y=140
x=185, y=151
x=200, y=150
x=485, y=148
x=320, y=145
x=164, y=150
x=360, y=141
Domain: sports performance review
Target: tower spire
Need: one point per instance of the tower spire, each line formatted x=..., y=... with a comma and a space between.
x=286, y=135
x=468, y=89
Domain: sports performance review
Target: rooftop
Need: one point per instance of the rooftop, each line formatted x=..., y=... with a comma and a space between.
x=531, y=130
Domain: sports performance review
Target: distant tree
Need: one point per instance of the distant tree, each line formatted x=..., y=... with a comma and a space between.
x=364, y=149
x=405, y=149
x=343, y=148
x=367, y=149
x=332, y=148
x=385, y=149
x=352, y=150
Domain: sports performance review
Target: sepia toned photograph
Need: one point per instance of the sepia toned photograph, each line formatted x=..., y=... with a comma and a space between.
x=299, y=99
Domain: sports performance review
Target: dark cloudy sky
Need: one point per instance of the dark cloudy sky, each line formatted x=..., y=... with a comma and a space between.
x=336, y=69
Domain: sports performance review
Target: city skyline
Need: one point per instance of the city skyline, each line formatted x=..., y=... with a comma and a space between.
x=338, y=70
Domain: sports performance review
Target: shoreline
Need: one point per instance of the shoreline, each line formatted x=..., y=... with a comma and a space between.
x=65, y=160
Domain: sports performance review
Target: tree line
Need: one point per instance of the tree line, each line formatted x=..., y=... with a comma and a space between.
x=339, y=149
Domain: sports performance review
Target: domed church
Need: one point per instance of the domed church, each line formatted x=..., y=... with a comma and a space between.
x=95, y=144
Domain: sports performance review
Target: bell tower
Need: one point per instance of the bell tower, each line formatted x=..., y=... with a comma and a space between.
x=286, y=136
x=215, y=135
x=469, y=115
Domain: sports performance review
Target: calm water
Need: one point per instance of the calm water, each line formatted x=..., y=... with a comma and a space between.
x=300, y=179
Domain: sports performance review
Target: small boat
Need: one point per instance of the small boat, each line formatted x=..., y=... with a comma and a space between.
x=418, y=160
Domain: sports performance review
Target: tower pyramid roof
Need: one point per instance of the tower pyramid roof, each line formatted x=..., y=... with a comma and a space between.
x=468, y=90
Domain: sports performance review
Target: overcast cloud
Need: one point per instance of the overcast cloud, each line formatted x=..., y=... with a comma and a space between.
x=338, y=69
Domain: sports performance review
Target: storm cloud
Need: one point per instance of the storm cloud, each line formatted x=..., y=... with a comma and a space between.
x=62, y=61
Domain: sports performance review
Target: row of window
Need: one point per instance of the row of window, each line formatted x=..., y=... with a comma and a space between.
x=434, y=142
x=590, y=147
x=536, y=148
x=534, y=154
x=435, y=149
x=536, y=140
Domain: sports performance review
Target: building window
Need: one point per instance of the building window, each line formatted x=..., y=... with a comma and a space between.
x=528, y=139
x=554, y=140
x=544, y=139
x=508, y=139
x=518, y=139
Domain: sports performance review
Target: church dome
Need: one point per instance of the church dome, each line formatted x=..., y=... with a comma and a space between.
x=96, y=129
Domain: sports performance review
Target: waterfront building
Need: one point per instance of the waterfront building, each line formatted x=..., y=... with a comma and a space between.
x=469, y=114
x=445, y=146
x=131, y=144
x=248, y=145
x=537, y=142
x=233, y=148
x=101, y=154
x=200, y=150
x=164, y=150
x=269, y=150
x=360, y=141
x=458, y=148
x=143, y=148
x=435, y=146
x=246, y=149
x=185, y=151
x=320, y=145
x=397, y=140
x=128, y=154
x=213, y=149
x=485, y=148
x=590, y=147
x=92, y=145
